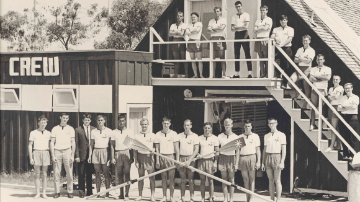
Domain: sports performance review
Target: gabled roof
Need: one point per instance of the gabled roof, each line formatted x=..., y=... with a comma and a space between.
x=328, y=36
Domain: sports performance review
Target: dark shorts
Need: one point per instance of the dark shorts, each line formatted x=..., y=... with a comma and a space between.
x=247, y=162
x=178, y=47
x=183, y=159
x=41, y=157
x=273, y=161
x=259, y=46
x=146, y=161
x=123, y=158
x=218, y=46
x=227, y=163
x=165, y=163
x=194, y=47
x=206, y=165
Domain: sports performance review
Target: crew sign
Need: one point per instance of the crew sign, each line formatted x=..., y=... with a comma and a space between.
x=34, y=66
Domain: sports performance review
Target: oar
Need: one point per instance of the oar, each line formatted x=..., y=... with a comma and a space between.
x=135, y=144
x=230, y=146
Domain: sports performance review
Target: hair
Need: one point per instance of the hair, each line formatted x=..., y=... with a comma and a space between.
x=306, y=36
x=238, y=2
x=194, y=13
x=272, y=119
x=264, y=6
x=228, y=121
x=283, y=17
x=86, y=115
x=348, y=84
x=101, y=116
x=143, y=120
x=337, y=76
x=188, y=120
x=42, y=117
x=319, y=55
x=180, y=12
x=166, y=119
x=64, y=114
x=248, y=121
x=208, y=124
x=217, y=7
x=122, y=116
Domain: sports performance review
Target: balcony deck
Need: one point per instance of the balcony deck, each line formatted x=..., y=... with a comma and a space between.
x=214, y=82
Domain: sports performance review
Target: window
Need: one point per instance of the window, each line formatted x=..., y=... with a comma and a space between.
x=65, y=98
x=10, y=97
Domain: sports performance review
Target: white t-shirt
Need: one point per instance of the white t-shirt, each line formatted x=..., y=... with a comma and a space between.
x=273, y=142
x=224, y=139
x=40, y=139
x=207, y=145
x=147, y=139
x=309, y=53
x=240, y=20
x=252, y=141
x=166, y=141
x=187, y=143
x=192, y=27
x=62, y=135
x=352, y=100
x=282, y=34
x=181, y=27
x=101, y=138
x=324, y=70
x=334, y=92
x=119, y=137
x=217, y=24
x=264, y=33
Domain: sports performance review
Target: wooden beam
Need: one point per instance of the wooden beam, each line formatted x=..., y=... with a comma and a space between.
x=115, y=93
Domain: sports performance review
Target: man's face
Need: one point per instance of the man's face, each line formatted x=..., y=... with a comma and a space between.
x=100, y=121
x=238, y=8
x=320, y=61
x=144, y=125
x=263, y=11
x=272, y=124
x=180, y=17
x=283, y=22
x=306, y=41
x=86, y=121
x=228, y=126
x=207, y=129
x=166, y=125
x=122, y=122
x=64, y=119
x=348, y=88
x=336, y=80
x=218, y=12
x=248, y=127
x=194, y=18
x=187, y=126
x=42, y=123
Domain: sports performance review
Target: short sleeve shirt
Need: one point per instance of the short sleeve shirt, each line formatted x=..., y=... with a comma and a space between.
x=62, y=135
x=240, y=20
x=101, y=137
x=352, y=100
x=334, y=91
x=181, y=27
x=282, y=34
x=273, y=142
x=147, y=139
x=41, y=139
x=207, y=145
x=264, y=22
x=324, y=70
x=307, y=53
x=216, y=24
x=224, y=139
x=252, y=141
x=166, y=141
x=187, y=143
x=119, y=136
x=193, y=27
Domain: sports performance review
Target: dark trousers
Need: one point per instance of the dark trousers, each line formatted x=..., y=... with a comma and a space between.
x=85, y=169
x=246, y=47
x=284, y=63
x=352, y=120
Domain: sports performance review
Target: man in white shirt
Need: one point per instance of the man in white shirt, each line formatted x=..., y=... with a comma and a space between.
x=167, y=143
x=217, y=29
x=283, y=36
x=240, y=25
x=62, y=147
x=249, y=157
x=262, y=31
x=319, y=76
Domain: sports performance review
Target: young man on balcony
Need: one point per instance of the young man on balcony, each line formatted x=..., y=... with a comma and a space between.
x=283, y=36
x=217, y=30
x=240, y=25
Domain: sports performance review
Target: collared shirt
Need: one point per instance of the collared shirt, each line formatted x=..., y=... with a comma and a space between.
x=180, y=27
x=263, y=22
x=147, y=139
x=187, y=143
x=63, y=135
x=273, y=142
x=166, y=141
x=306, y=53
x=224, y=139
x=214, y=24
x=193, y=27
x=352, y=100
x=334, y=91
x=321, y=71
x=282, y=34
x=252, y=141
x=41, y=139
x=119, y=136
x=240, y=20
x=207, y=145
x=101, y=137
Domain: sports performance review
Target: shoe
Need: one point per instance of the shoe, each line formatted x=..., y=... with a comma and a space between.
x=70, y=195
x=138, y=198
x=81, y=194
x=236, y=77
x=121, y=197
x=311, y=128
x=126, y=198
x=328, y=149
x=163, y=199
x=89, y=194
x=36, y=196
x=57, y=195
x=249, y=76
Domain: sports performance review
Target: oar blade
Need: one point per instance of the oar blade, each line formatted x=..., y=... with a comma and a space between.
x=233, y=145
x=135, y=144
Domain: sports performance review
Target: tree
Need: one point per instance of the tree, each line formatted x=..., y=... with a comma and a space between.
x=11, y=24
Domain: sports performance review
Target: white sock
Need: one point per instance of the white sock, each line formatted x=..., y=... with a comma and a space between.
x=250, y=72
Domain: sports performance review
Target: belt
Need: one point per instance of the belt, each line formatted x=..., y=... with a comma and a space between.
x=247, y=154
x=62, y=149
x=185, y=155
x=100, y=148
x=121, y=150
x=40, y=150
x=272, y=153
x=242, y=31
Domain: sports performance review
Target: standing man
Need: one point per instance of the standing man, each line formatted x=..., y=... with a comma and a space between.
x=121, y=155
x=189, y=148
x=262, y=31
x=82, y=139
x=320, y=77
x=274, y=154
x=143, y=159
x=249, y=157
x=62, y=148
x=228, y=162
x=167, y=143
x=217, y=29
x=283, y=36
x=240, y=25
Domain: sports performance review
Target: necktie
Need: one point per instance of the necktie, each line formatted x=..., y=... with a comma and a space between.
x=88, y=134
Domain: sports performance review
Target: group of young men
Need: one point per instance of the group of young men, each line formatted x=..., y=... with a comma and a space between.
x=202, y=152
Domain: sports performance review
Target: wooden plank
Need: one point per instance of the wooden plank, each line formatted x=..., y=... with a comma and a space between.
x=110, y=66
x=26, y=131
x=145, y=74
x=101, y=71
x=150, y=74
x=59, y=79
x=130, y=73
x=92, y=72
x=19, y=141
x=115, y=92
x=4, y=133
x=66, y=72
x=87, y=69
x=122, y=71
x=96, y=73
x=2, y=72
x=11, y=143
x=75, y=72
x=82, y=72
x=138, y=73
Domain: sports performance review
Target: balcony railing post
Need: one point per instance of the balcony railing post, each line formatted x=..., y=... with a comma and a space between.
x=151, y=48
x=319, y=123
x=211, y=64
x=270, y=59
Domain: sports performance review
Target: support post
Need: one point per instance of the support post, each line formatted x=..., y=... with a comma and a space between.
x=151, y=48
x=319, y=123
x=211, y=64
x=292, y=140
x=270, y=59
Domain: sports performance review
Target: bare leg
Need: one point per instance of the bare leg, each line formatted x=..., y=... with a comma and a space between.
x=192, y=55
x=37, y=181
x=182, y=54
x=251, y=182
x=105, y=170
x=164, y=184
x=277, y=176
x=182, y=184
x=202, y=187
x=176, y=55
x=231, y=178
x=224, y=186
x=245, y=176
x=191, y=182
x=97, y=176
x=44, y=180
x=152, y=185
x=171, y=183
x=270, y=174
x=140, y=183
x=120, y=179
x=211, y=188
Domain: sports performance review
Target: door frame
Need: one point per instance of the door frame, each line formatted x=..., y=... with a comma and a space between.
x=148, y=110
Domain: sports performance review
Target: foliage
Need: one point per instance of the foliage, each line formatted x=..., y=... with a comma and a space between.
x=11, y=23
